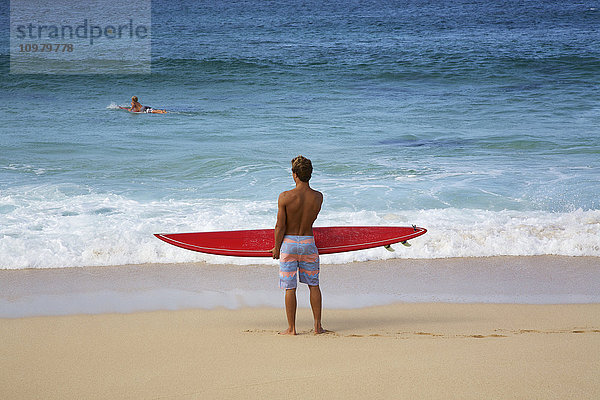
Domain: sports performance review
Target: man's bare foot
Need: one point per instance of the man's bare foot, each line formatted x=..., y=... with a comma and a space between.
x=320, y=331
x=288, y=331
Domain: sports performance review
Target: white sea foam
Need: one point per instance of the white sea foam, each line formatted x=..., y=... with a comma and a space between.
x=26, y=168
x=60, y=226
x=113, y=106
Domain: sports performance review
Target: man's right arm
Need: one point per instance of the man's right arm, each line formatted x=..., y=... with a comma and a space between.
x=280, y=225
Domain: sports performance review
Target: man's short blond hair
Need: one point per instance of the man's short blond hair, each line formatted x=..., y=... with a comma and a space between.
x=302, y=167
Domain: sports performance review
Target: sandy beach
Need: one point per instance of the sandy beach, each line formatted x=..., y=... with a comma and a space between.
x=432, y=351
x=202, y=331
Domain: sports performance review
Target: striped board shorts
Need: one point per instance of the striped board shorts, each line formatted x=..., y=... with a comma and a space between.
x=298, y=255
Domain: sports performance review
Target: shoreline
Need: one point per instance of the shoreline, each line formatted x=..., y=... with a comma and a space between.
x=424, y=350
x=150, y=287
x=358, y=262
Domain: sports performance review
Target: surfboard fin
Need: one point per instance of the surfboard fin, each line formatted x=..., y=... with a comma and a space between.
x=388, y=247
x=405, y=243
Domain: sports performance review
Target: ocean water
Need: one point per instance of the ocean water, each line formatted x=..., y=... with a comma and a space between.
x=479, y=121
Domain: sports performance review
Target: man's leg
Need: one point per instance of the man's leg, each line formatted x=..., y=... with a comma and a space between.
x=290, y=311
x=315, y=303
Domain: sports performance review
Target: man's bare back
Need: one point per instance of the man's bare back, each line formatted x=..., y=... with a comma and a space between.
x=296, y=212
x=302, y=205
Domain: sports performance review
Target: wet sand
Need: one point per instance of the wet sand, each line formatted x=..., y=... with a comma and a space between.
x=150, y=287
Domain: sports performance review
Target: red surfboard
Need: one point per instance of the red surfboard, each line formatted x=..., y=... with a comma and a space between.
x=259, y=242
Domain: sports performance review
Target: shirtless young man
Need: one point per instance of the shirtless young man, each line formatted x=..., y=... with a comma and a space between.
x=295, y=244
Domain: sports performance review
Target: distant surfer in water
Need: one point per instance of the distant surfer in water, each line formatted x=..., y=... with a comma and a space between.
x=295, y=244
x=137, y=107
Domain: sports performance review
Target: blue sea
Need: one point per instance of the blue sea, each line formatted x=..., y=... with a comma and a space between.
x=478, y=120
